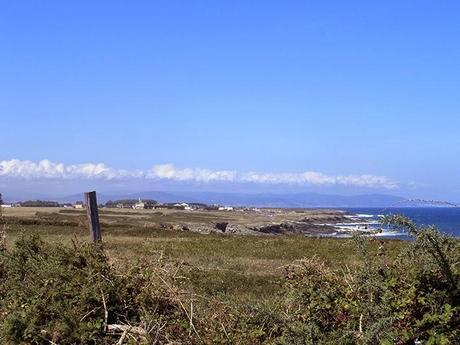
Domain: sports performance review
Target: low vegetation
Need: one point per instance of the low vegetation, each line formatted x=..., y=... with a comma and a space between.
x=154, y=287
x=38, y=203
x=380, y=301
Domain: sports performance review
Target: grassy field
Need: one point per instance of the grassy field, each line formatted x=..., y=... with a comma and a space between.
x=183, y=287
x=233, y=266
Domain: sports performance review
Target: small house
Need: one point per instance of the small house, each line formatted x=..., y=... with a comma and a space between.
x=78, y=205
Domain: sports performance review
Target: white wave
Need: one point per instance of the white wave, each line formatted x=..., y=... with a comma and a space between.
x=388, y=234
x=373, y=222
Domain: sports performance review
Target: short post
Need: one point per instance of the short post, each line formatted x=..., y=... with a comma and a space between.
x=93, y=216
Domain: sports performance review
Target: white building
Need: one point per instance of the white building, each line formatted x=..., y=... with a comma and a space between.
x=225, y=208
x=185, y=206
x=140, y=205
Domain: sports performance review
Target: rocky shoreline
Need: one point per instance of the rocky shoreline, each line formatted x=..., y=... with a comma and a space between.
x=312, y=225
x=260, y=222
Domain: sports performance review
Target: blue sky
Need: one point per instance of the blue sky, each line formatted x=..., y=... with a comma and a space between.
x=344, y=89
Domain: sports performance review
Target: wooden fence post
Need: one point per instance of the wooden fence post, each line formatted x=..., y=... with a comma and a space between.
x=93, y=216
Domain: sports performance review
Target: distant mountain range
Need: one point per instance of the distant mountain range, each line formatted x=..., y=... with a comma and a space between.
x=291, y=200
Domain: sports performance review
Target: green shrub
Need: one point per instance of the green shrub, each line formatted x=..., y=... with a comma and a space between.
x=71, y=295
x=413, y=298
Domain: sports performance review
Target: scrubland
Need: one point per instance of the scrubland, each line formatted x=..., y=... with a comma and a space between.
x=149, y=285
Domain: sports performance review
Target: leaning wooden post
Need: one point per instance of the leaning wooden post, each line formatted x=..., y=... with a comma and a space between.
x=93, y=216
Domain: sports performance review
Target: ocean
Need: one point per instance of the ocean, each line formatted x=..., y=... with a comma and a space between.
x=447, y=219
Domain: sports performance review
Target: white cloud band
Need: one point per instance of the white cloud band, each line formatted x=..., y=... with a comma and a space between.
x=46, y=169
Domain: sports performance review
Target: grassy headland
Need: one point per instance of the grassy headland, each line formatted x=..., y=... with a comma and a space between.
x=164, y=285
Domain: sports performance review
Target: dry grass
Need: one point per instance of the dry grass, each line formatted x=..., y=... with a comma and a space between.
x=238, y=267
